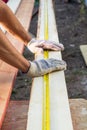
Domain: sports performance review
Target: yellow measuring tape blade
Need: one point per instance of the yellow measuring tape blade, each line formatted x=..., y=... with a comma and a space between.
x=46, y=94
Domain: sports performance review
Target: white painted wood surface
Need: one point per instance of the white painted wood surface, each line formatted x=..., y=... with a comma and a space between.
x=13, y=4
x=60, y=116
x=83, y=49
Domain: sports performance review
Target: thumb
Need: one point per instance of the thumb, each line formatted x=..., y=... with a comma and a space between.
x=38, y=50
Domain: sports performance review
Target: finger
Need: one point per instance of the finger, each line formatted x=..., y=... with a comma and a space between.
x=38, y=50
x=60, y=45
x=51, y=46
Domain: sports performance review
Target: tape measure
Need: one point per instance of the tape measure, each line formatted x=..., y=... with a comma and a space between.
x=46, y=92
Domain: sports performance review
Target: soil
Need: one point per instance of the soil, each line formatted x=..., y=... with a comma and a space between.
x=71, y=22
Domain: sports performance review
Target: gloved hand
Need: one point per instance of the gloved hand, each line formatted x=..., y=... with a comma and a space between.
x=37, y=46
x=41, y=67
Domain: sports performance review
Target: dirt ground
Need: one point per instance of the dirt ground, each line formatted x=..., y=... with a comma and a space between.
x=72, y=30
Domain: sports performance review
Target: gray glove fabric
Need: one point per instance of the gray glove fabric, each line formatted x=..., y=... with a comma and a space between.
x=37, y=46
x=42, y=67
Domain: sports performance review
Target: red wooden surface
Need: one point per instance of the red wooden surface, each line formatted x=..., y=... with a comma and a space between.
x=16, y=116
x=6, y=83
x=17, y=112
x=7, y=72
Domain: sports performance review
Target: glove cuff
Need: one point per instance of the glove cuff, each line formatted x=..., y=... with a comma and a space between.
x=32, y=40
x=27, y=69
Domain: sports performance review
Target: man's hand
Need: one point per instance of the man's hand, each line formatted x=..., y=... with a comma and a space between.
x=37, y=46
x=41, y=67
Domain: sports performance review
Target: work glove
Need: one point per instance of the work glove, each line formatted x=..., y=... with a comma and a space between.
x=37, y=46
x=41, y=67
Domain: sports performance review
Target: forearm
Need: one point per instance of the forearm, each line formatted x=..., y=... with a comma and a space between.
x=9, y=54
x=11, y=23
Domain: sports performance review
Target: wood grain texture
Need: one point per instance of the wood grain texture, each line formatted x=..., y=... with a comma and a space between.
x=83, y=49
x=7, y=72
x=60, y=116
x=13, y=5
x=78, y=109
x=6, y=84
x=16, y=116
x=24, y=14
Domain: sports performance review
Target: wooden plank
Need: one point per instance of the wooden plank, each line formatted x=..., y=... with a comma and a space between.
x=78, y=109
x=60, y=111
x=6, y=83
x=83, y=49
x=16, y=116
x=13, y=5
x=26, y=13
x=26, y=8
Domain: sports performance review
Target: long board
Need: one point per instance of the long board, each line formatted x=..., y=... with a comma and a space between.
x=60, y=116
x=7, y=72
x=83, y=49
